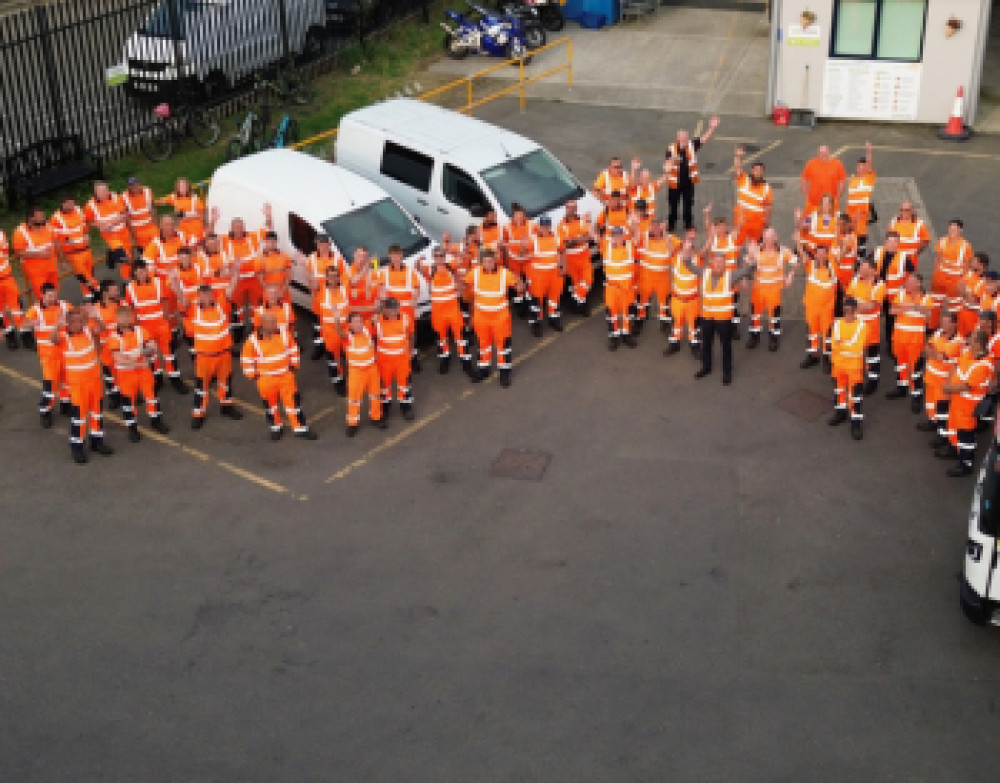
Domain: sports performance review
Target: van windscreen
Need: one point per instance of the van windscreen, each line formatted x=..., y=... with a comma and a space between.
x=376, y=227
x=536, y=181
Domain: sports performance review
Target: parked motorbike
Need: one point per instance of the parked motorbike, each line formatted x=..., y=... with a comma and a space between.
x=549, y=12
x=492, y=34
x=531, y=23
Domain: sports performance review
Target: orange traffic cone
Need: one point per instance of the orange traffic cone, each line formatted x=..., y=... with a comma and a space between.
x=955, y=130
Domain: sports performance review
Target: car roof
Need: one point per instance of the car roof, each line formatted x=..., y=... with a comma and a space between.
x=317, y=188
x=473, y=142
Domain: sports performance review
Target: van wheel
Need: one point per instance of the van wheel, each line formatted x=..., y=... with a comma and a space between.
x=453, y=46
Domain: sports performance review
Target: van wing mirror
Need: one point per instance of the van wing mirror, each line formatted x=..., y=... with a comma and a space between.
x=477, y=210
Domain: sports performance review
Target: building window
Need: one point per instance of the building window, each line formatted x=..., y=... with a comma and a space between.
x=879, y=29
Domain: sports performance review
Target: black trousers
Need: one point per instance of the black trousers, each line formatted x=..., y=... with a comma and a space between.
x=724, y=329
x=683, y=193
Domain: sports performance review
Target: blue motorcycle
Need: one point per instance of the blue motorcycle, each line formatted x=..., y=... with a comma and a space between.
x=498, y=35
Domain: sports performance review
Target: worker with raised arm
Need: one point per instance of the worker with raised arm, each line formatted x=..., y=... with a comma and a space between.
x=683, y=173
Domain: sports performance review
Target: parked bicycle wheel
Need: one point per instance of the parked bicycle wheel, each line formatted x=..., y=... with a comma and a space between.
x=157, y=141
x=203, y=127
x=292, y=135
x=234, y=149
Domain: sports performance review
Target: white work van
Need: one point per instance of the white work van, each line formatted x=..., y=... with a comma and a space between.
x=212, y=44
x=980, y=587
x=309, y=196
x=448, y=169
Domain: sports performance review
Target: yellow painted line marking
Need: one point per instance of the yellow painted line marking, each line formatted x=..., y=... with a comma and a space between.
x=246, y=474
x=323, y=413
x=389, y=443
x=953, y=153
x=838, y=152
x=750, y=158
x=167, y=441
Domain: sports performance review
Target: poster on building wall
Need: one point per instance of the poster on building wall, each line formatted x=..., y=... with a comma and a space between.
x=866, y=90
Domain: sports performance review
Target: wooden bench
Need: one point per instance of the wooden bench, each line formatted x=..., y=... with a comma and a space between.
x=48, y=165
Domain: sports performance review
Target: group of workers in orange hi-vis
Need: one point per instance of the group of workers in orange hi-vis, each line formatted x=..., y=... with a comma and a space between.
x=224, y=290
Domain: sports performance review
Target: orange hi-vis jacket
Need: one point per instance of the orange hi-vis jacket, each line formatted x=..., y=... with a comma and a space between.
x=162, y=253
x=847, y=346
x=673, y=174
x=513, y=236
x=577, y=230
x=843, y=260
x=989, y=303
x=873, y=292
x=939, y=370
x=444, y=293
x=282, y=312
x=273, y=267
x=127, y=348
x=489, y=292
x=360, y=349
x=859, y=197
x=489, y=237
x=544, y=254
x=80, y=356
x=210, y=266
x=190, y=208
x=752, y=201
x=645, y=193
x=895, y=273
x=111, y=219
x=147, y=300
x=619, y=264
x=271, y=356
x=401, y=284
x=912, y=233
x=191, y=280
x=141, y=211
x=606, y=183
x=47, y=318
x=822, y=230
x=244, y=251
x=717, y=296
x=333, y=305
x=771, y=265
x=977, y=374
x=655, y=253
x=685, y=281
x=319, y=264
x=726, y=244
x=954, y=256
x=821, y=288
x=911, y=325
x=613, y=218
x=393, y=336
x=5, y=270
x=71, y=230
x=42, y=240
x=210, y=329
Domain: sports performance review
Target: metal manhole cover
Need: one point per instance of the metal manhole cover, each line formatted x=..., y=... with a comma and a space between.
x=806, y=404
x=750, y=148
x=520, y=464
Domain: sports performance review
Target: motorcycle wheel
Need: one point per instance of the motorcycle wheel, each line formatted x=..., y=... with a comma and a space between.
x=453, y=47
x=516, y=51
x=552, y=18
x=534, y=37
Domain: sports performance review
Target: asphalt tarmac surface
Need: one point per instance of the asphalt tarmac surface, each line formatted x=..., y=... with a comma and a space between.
x=686, y=582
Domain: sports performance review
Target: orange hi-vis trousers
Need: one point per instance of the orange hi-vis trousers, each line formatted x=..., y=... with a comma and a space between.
x=849, y=385
x=580, y=271
x=132, y=383
x=53, y=379
x=686, y=312
x=447, y=319
x=618, y=298
x=334, y=348
x=909, y=364
x=37, y=273
x=10, y=301
x=86, y=399
x=765, y=298
x=394, y=368
x=493, y=333
x=656, y=283
x=818, y=323
x=362, y=381
x=208, y=368
x=544, y=284
x=159, y=332
x=281, y=388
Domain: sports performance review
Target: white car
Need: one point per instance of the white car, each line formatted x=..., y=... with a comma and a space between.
x=980, y=590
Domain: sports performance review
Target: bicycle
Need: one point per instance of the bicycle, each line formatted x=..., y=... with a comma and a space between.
x=157, y=139
x=288, y=85
x=287, y=133
x=250, y=136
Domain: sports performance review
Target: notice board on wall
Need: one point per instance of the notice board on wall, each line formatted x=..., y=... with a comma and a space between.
x=871, y=90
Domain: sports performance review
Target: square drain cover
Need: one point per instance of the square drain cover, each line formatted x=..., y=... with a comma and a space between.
x=520, y=464
x=806, y=404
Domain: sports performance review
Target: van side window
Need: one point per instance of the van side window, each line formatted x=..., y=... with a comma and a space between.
x=302, y=234
x=461, y=189
x=406, y=165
